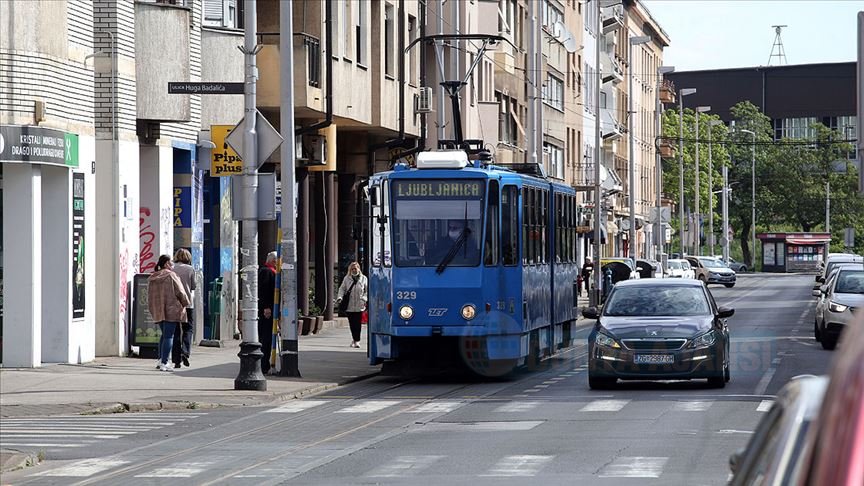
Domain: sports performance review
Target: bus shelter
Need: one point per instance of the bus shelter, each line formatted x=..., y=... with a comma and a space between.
x=793, y=252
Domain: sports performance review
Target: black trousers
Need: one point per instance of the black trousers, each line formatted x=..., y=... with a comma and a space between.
x=354, y=324
x=183, y=338
x=265, y=337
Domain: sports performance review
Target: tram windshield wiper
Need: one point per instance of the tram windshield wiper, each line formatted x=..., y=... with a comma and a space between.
x=458, y=244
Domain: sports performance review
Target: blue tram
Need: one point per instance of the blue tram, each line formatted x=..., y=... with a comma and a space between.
x=477, y=261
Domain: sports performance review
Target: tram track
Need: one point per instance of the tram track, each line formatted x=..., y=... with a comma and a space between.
x=569, y=356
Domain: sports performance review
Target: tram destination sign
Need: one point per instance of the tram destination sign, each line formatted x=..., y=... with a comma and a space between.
x=442, y=189
x=204, y=88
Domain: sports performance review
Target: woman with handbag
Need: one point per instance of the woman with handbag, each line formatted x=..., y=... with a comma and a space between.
x=351, y=300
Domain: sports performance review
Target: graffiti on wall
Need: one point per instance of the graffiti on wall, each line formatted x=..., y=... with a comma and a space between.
x=146, y=238
x=124, y=285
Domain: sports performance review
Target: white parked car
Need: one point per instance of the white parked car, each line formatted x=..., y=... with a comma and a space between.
x=842, y=294
x=678, y=268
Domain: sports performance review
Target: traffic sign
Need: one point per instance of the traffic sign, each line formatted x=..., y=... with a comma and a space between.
x=849, y=238
x=268, y=138
x=665, y=215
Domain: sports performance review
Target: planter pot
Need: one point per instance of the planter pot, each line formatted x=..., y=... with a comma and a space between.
x=319, y=324
x=305, y=325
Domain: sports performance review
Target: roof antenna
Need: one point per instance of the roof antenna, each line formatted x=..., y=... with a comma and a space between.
x=778, y=47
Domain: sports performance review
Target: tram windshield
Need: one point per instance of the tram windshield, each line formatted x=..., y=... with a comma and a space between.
x=437, y=222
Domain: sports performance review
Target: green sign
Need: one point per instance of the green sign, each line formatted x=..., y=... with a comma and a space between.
x=38, y=145
x=442, y=189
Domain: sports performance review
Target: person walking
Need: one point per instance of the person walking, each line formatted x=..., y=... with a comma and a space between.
x=166, y=301
x=587, y=268
x=266, y=304
x=351, y=300
x=183, y=334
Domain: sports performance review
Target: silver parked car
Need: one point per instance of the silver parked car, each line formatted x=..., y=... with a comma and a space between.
x=842, y=295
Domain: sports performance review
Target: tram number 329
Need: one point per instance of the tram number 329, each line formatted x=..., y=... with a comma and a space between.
x=406, y=295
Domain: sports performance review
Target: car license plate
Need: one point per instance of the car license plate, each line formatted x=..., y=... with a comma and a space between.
x=654, y=359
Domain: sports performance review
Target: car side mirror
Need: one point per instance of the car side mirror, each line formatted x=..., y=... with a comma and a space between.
x=724, y=312
x=824, y=290
x=735, y=461
x=590, y=313
x=820, y=279
x=817, y=293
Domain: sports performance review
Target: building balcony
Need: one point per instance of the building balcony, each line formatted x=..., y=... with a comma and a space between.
x=667, y=150
x=613, y=18
x=610, y=128
x=667, y=92
x=308, y=79
x=158, y=25
x=612, y=70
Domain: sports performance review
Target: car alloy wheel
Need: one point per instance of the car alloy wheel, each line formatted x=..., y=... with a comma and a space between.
x=829, y=342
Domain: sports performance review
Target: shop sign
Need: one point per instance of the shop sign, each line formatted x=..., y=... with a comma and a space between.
x=38, y=145
x=224, y=161
x=78, y=282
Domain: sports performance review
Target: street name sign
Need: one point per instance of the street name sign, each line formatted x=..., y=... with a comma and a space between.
x=268, y=138
x=205, y=88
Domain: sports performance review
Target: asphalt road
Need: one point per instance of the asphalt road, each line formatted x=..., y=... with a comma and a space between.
x=544, y=426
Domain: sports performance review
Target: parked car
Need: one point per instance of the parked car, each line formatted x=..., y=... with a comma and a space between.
x=737, y=267
x=680, y=269
x=658, y=329
x=832, y=262
x=649, y=268
x=773, y=453
x=617, y=265
x=834, y=446
x=712, y=271
x=841, y=296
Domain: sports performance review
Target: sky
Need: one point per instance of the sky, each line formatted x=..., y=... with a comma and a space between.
x=716, y=34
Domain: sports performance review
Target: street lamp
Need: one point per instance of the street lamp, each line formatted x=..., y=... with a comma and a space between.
x=711, y=125
x=631, y=189
x=660, y=236
x=681, y=94
x=752, y=197
x=698, y=219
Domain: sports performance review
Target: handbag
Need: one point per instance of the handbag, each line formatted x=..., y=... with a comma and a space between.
x=343, y=305
x=364, y=317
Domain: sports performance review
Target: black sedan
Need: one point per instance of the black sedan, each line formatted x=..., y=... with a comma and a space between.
x=658, y=329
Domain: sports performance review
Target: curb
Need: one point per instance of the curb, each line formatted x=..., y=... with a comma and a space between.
x=17, y=460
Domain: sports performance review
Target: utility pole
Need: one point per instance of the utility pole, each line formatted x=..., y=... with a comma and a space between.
x=531, y=136
x=827, y=207
x=725, y=213
x=697, y=220
x=289, y=357
x=250, y=376
x=598, y=29
x=659, y=229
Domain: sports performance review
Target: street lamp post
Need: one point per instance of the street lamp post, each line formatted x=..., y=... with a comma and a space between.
x=595, y=292
x=698, y=219
x=711, y=125
x=658, y=169
x=752, y=198
x=631, y=189
x=681, y=94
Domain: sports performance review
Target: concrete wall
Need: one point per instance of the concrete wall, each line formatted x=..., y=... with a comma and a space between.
x=221, y=61
x=56, y=255
x=156, y=229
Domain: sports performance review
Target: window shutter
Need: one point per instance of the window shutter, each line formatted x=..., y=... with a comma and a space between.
x=213, y=13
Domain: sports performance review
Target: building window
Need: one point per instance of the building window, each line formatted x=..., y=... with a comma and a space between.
x=223, y=13
x=347, y=27
x=556, y=160
x=412, y=54
x=553, y=92
x=337, y=24
x=389, y=20
x=508, y=124
x=360, y=33
x=551, y=14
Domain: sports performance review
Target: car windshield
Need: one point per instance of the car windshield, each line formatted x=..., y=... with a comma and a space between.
x=712, y=263
x=674, y=265
x=850, y=282
x=432, y=219
x=657, y=301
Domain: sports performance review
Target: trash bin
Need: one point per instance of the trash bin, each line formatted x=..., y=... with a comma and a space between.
x=214, y=308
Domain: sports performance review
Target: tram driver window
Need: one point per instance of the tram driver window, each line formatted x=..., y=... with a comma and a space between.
x=510, y=225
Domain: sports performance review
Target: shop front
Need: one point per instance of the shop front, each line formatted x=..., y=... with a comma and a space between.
x=793, y=252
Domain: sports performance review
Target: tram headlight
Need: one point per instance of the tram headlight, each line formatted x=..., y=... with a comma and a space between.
x=468, y=312
x=406, y=312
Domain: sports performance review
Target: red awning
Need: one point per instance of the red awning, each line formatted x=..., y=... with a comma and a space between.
x=807, y=241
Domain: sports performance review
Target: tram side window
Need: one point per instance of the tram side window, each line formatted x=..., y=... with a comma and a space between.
x=544, y=227
x=491, y=246
x=510, y=225
x=527, y=218
x=375, y=227
x=571, y=229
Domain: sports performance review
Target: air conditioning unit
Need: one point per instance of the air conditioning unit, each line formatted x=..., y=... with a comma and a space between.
x=423, y=100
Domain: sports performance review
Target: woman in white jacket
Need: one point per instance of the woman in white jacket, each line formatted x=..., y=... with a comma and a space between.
x=351, y=300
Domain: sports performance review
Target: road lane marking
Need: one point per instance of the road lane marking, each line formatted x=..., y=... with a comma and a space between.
x=733, y=431
x=56, y=436
x=605, y=406
x=178, y=470
x=83, y=469
x=518, y=466
x=436, y=407
x=369, y=406
x=541, y=386
x=692, y=406
x=404, y=466
x=635, y=467
x=46, y=444
x=765, y=405
x=509, y=426
x=764, y=382
x=516, y=407
x=298, y=406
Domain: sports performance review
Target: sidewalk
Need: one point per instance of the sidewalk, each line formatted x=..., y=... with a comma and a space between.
x=131, y=384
